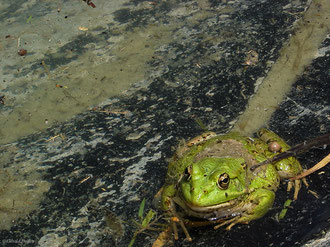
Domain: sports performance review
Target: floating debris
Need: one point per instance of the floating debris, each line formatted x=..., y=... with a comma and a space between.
x=90, y=3
x=83, y=29
x=321, y=164
x=22, y=52
x=29, y=19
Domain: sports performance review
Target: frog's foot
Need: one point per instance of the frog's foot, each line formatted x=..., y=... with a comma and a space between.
x=231, y=223
x=297, y=186
x=177, y=219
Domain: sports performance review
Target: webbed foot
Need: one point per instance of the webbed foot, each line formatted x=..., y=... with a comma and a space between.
x=297, y=186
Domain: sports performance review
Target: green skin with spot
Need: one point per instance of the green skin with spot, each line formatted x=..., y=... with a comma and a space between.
x=212, y=179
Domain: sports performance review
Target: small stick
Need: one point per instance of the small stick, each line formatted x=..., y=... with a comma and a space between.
x=318, y=166
x=300, y=148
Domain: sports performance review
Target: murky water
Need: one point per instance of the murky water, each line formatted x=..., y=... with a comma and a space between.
x=74, y=61
x=298, y=53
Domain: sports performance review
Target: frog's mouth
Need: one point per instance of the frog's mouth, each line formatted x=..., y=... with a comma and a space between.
x=212, y=212
x=211, y=208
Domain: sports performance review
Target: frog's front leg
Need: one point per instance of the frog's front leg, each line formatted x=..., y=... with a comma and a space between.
x=175, y=218
x=169, y=206
x=256, y=205
x=286, y=168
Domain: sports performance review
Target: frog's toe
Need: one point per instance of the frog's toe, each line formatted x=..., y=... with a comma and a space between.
x=231, y=223
x=174, y=229
x=305, y=182
x=297, y=186
x=228, y=228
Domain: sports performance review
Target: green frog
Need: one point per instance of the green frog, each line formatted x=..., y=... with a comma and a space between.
x=211, y=178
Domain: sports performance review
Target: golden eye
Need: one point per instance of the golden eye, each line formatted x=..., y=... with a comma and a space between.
x=223, y=181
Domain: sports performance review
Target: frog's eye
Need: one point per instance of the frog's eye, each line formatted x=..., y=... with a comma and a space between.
x=187, y=172
x=223, y=181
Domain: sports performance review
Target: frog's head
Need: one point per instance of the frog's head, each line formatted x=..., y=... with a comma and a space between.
x=212, y=181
